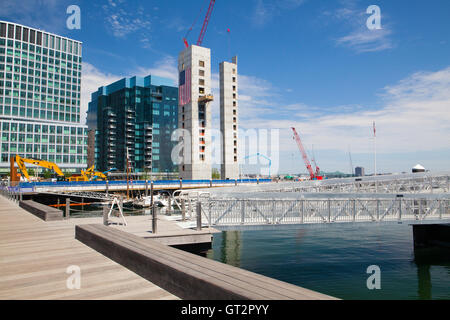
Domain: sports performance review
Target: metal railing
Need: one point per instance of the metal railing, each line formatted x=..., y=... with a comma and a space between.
x=301, y=211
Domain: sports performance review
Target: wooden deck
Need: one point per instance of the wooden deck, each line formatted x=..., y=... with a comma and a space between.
x=35, y=254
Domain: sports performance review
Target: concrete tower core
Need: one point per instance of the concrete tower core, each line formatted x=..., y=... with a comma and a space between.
x=194, y=112
x=229, y=118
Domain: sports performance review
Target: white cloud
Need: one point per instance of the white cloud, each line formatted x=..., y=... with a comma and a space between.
x=48, y=15
x=124, y=19
x=265, y=10
x=414, y=117
x=91, y=80
x=360, y=38
x=165, y=68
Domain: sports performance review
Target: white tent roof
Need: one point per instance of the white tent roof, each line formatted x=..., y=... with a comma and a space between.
x=419, y=167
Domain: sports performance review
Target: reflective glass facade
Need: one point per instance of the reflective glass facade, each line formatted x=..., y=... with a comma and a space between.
x=40, y=79
x=138, y=115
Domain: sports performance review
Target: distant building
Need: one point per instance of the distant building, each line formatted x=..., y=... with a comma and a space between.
x=359, y=172
x=137, y=115
x=418, y=168
x=40, y=81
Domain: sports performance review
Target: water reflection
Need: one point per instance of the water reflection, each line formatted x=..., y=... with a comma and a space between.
x=333, y=259
x=425, y=258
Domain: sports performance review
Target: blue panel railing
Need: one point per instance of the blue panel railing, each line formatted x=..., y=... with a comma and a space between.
x=32, y=185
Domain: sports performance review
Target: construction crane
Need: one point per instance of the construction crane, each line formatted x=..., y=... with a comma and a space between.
x=41, y=163
x=204, y=27
x=312, y=174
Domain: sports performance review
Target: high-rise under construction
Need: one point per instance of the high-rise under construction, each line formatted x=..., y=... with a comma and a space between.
x=194, y=113
x=228, y=75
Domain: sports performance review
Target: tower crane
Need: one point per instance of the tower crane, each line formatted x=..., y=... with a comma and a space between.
x=313, y=175
x=204, y=26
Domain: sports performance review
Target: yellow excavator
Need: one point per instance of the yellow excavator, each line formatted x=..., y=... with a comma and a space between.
x=87, y=175
x=91, y=174
x=41, y=163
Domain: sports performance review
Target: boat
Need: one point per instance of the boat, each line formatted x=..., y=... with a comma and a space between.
x=145, y=202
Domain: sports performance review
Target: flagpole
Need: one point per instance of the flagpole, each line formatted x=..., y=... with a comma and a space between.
x=375, y=148
x=375, y=154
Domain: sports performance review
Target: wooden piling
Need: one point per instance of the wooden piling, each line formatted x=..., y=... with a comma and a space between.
x=154, y=218
x=105, y=214
x=67, y=211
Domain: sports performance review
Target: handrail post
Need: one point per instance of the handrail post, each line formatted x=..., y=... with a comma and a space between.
x=302, y=210
x=329, y=210
x=183, y=210
x=378, y=209
x=199, y=215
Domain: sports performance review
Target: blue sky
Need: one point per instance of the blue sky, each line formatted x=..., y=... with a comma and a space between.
x=312, y=64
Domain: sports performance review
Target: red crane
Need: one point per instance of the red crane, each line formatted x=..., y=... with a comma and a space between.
x=312, y=175
x=204, y=27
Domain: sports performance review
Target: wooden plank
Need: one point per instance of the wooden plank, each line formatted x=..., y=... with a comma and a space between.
x=35, y=254
x=186, y=274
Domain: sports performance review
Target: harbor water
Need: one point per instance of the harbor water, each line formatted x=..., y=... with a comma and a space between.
x=333, y=259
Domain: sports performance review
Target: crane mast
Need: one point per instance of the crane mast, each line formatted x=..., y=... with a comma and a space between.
x=205, y=22
x=204, y=26
x=312, y=175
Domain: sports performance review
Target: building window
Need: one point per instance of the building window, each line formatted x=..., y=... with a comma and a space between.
x=201, y=73
x=201, y=63
x=201, y=82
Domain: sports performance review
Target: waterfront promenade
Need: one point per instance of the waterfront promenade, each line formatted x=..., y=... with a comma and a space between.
x=35, y=254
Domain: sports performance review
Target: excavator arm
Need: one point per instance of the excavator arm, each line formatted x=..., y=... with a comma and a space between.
x=41, y=163
x=90, y=173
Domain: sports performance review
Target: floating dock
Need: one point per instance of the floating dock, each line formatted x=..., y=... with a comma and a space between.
x=119, y=262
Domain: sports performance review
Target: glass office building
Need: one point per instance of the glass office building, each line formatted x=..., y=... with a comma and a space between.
x=135, y=115
x=40, y=79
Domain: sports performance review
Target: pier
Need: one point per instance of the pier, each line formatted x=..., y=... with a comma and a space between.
x=34, y=257
x=115, y=262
